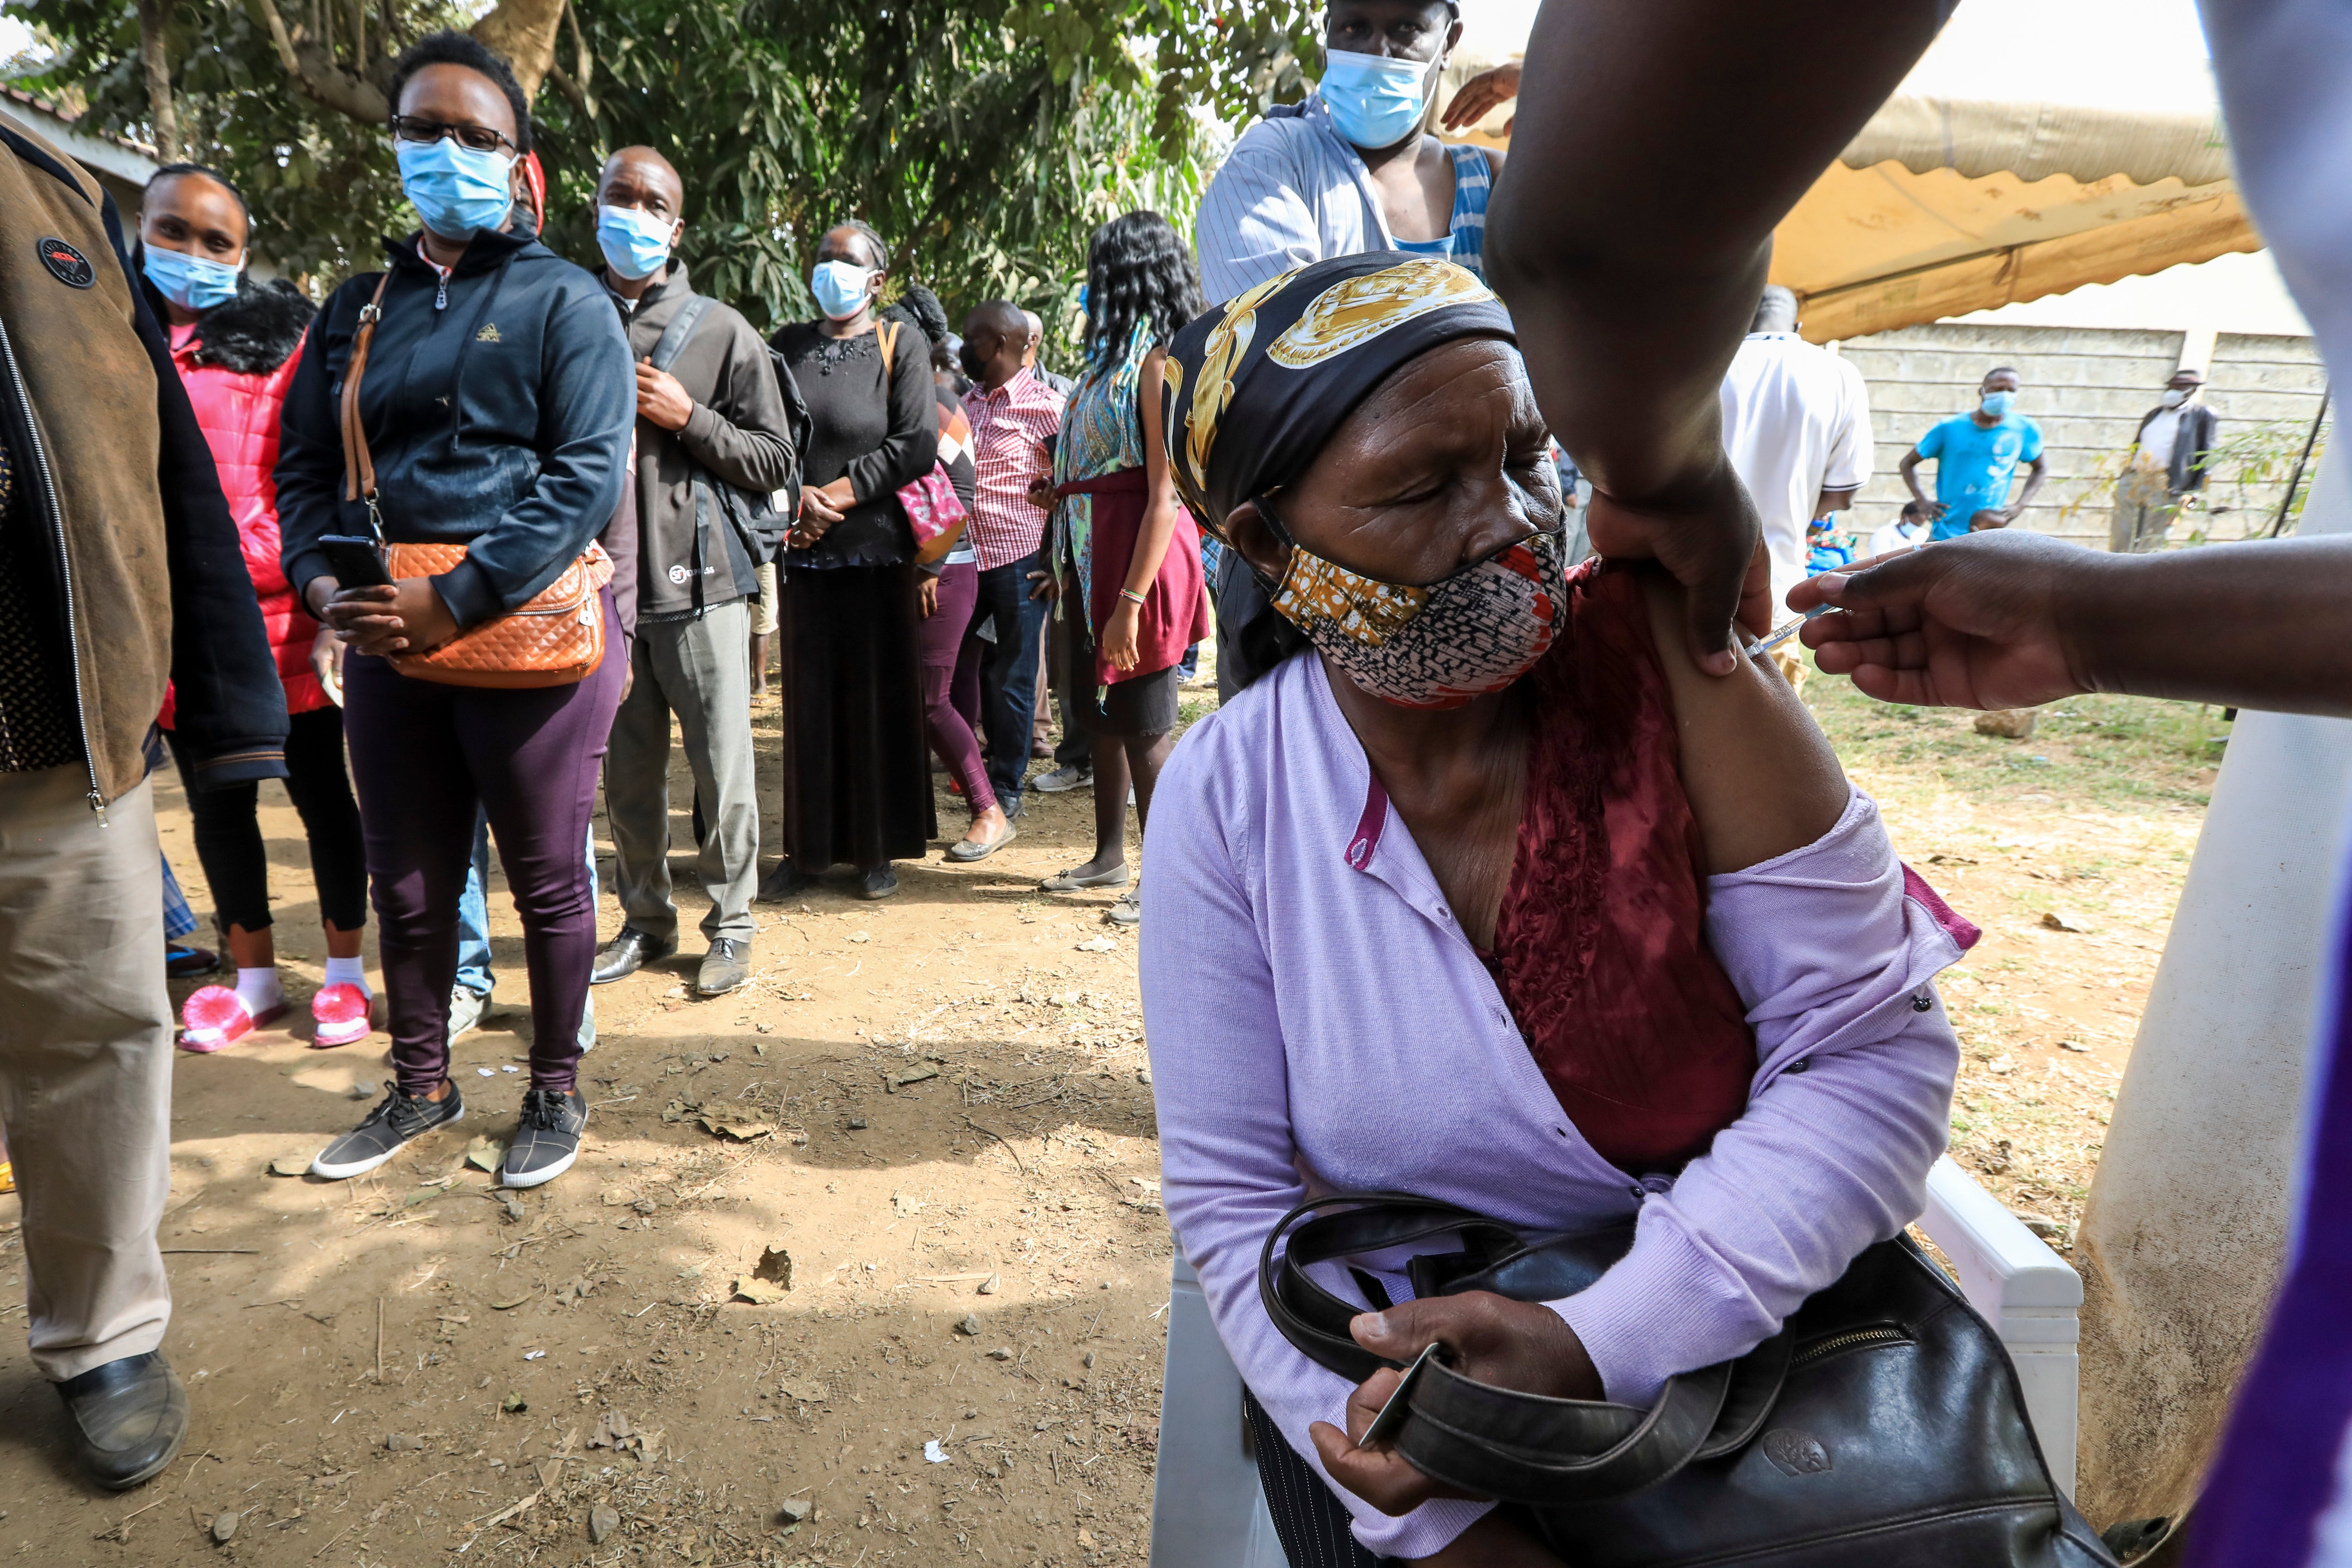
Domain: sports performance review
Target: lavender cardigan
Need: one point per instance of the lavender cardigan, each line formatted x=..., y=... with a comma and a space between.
x=1318, y=1021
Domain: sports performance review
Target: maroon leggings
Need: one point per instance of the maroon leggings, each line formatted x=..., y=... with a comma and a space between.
x=943, y=641
x=423, y=755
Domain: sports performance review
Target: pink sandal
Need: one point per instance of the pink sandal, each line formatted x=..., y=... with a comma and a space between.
x=216, y=1016
x=341, y=1012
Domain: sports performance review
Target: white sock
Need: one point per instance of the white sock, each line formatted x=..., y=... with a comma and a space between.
x=259, y=989
x=349, y=972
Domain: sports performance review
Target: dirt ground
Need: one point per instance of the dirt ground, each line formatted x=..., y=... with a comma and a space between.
x=939, y=1108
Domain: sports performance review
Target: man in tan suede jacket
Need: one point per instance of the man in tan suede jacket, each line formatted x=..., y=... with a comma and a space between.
x=119, y=573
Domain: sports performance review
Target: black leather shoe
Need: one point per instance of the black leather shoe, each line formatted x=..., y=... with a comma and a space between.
x=878, y=883
x=625, y=953
x=727, y=965
x=131, y=1416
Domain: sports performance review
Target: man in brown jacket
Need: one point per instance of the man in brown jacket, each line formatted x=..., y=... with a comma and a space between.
x=120, y=573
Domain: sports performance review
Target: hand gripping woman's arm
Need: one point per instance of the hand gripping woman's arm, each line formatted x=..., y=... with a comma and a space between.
x=1682, y=131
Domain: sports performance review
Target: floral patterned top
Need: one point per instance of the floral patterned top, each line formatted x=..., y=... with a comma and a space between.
x=1101, y=434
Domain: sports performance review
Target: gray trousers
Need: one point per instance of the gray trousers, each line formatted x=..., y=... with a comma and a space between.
x=85, y=1065
x=699, y=670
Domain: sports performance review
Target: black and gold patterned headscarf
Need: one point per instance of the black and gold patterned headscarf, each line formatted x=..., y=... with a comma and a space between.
x=1254, y=388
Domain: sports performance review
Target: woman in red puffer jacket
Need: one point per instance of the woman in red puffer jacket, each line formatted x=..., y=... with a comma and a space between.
x=235, y=342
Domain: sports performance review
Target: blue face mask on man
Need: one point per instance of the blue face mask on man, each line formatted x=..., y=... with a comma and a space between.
x=1374, y=99
x=191, y=282
x=635, y=242
x=1997, y=405
x=841, y=288
x=457, y=191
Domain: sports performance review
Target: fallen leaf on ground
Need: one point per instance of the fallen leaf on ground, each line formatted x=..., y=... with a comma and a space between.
x=733, y=1119
x=758, y=1292
x=775, y=1266
x=290, y=1165
x=487, y=1153
x=2054, y=921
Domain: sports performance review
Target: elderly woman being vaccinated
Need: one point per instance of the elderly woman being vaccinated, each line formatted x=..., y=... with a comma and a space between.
x=1484, y=892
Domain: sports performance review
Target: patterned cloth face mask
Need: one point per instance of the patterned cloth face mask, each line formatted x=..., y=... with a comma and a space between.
x=1468, y=634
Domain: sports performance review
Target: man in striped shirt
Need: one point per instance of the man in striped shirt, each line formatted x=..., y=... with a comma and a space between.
x=1013, y=415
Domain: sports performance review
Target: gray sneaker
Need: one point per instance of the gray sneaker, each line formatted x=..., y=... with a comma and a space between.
x=548, y=1138
x=1069, y=776
x=387, y=1131
x=467, y=1006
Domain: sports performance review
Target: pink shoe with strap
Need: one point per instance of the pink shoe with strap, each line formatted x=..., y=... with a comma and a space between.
x=216, y=1016
x=341, y=1012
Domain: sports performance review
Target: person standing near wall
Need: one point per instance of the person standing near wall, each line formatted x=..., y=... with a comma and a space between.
x=233, y=343
x=2166, y=465
x=119, y=573
x=1975, y=455
x=1796, y=423
x=496, y=404
x=708, y=415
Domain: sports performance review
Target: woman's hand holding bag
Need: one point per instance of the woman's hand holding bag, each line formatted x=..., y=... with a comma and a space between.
x=1501, y=1343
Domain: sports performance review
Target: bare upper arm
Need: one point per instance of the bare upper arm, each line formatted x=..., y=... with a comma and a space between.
x=1761, y=777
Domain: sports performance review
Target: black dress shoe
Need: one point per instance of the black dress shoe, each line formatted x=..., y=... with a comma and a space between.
x=878, y=883
x=625, y=953
x=727, y=965
x=131, y=1416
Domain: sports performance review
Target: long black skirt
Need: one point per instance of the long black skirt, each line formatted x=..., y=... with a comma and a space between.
x=857, y=771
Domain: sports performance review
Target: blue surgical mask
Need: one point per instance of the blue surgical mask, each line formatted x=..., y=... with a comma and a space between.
x=191, y=282
x=1997, y=404
x=457, y=191
x=841, y=288
x=635, y=242
x=1375, y=100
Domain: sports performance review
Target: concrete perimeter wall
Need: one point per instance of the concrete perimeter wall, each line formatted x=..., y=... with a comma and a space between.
x=2087, y=387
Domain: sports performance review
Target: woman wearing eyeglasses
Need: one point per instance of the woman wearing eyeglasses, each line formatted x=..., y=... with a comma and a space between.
x=496, y=402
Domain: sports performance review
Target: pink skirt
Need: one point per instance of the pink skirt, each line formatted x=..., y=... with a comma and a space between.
x=1176, y=612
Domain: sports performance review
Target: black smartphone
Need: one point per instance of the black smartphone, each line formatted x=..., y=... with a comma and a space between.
x=1399, y=1404
x=357, y=561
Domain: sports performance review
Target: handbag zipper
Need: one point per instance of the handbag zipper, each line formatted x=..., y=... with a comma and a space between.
x=57, y=520
x=1837, y=1344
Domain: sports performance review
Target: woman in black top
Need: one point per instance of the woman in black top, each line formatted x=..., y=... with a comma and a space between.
x=856, y=778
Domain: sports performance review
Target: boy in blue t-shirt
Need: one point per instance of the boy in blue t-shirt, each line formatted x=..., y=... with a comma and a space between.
x=1976, y=454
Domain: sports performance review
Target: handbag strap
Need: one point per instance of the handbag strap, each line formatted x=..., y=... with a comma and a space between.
x=886, y=337
x=359, y=467
x=1499, y=1442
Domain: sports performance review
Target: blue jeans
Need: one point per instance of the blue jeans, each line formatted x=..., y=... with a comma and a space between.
x=474, y=924
x=1012, y=685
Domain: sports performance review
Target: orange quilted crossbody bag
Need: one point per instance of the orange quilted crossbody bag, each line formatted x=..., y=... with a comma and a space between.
x=556, y=638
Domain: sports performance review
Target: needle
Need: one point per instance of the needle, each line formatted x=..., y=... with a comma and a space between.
x=1757, y=649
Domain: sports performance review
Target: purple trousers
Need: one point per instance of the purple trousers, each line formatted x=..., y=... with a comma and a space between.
x=942, y=644
x=423, y=755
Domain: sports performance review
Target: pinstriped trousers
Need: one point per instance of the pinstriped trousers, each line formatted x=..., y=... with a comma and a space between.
x=1308, y=1519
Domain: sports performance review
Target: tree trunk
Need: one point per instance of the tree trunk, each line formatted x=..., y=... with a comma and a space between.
x=525, y=32
x=154, y=15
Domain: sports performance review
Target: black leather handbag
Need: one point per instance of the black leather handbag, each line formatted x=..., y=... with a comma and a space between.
x=1882, y=1427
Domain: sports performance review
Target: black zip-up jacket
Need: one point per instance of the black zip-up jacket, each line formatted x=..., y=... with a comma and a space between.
x=142, y=562
x=497, y=407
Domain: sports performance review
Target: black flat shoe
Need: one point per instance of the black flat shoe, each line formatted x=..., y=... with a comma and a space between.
x=132, y=1416
x=783, y=883
x=625, y=955
x=878, y=883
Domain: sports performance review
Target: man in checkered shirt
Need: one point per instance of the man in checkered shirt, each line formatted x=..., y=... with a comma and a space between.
x=1013, y=415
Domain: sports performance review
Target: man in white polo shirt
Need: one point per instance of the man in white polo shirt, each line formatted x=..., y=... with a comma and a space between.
x=1796, y=423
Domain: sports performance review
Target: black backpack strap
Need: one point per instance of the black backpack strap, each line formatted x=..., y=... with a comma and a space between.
x=681, y=327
